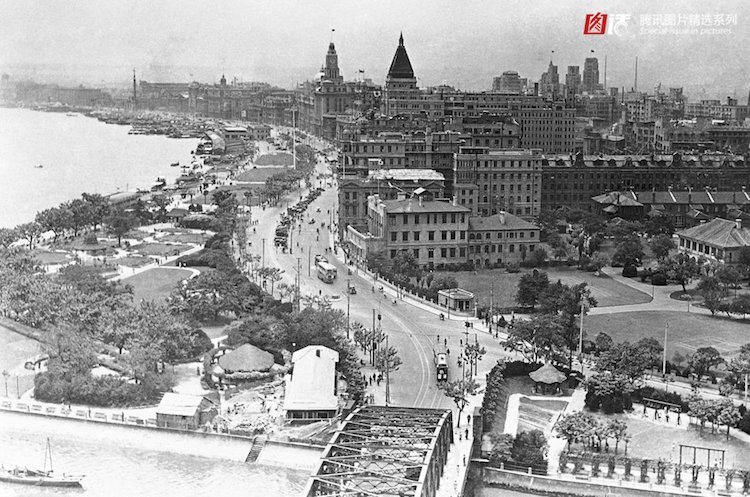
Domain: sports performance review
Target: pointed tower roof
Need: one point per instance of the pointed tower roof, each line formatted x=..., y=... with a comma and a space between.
x=401, y=66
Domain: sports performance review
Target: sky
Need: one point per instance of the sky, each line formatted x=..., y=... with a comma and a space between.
x=461, y=43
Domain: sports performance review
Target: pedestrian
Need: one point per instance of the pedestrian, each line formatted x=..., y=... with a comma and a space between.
x=459, y=436
x=438, y=339
x=464, y=459
x=448, y=351
x=445, y=342
x=460, y=342
x=466, y=433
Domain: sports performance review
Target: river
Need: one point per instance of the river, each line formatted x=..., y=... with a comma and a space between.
x=118, y=461
x=78, y=154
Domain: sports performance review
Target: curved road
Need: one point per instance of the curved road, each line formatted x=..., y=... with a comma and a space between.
x=412, y=330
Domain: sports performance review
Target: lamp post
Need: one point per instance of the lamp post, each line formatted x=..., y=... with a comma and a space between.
x=348, y=295
x=5, y=376
x=584, y=307
x=664, y=358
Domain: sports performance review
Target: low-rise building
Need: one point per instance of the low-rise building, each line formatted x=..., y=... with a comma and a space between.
x=434, y=232
x=184, y=412
x=719, y=239
x=501, y=239
x=311, y=386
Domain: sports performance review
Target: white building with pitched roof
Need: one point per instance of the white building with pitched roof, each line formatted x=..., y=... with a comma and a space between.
x=311, y=392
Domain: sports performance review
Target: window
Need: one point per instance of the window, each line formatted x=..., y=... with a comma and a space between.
x=443, y=235
x=430, y=253
x=428, y=218
x=463, y=235
x=453, y=218
x=416, y=253
x=416, y=236
x=393, y=254
x=405, y=236
x=391, y=219
x=462, y=252
x=445, y=218
x=406, y=219
x=430, y=235
x=453, y=235
x=443, y=252
x=511, y=248
x=453, y=252
x=522, y=234
x=416, y=218
x=393, y=236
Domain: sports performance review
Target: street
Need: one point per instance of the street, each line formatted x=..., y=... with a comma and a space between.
x=412, y=330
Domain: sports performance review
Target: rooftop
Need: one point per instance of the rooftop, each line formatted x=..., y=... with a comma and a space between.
x=312, y=383
x=414, y=205
x=246, y=358
x=180, y=404
x=501, y=221
x=401, y=65
x=719, y=232
x=405, y=174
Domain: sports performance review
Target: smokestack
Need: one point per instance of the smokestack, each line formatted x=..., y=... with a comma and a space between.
x=738, y=224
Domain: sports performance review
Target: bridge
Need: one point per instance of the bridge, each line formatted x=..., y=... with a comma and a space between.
x=385, y=451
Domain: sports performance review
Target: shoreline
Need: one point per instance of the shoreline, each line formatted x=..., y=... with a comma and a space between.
x=131, y=171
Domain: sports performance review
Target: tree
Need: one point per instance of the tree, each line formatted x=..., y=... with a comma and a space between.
x=729, y=415
x=387, y=359
x=459, y=391
x=162, y=202
x=99, y=208
x=81, y=212
x=566, y=302
x=529, y=448
x=603, y=342
x=710, y=288
x=629, y=251
x=618, y=430
x=8, y=236
x=55, y=219
x=524, y=250
x=502, y=449
x=538, y=257
x=728, y=276
x=474, y=353
x=661, y=244
x=120, y=222
x=625, y=359
x=540, y=337
x=30, y=232
x=743, y=259
x=704, y=359
x=575, y=427
x=659, y=225
x=681, y=269
x=530, y=287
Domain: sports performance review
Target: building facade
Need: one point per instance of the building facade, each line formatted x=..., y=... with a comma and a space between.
x=501, y=239
x=504, y=180
x=719, y=240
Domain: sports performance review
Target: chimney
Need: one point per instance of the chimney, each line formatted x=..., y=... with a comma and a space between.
x=738, y=223
x=454, y=200
x=502, y=217
x=420, y=200
x=317, y=352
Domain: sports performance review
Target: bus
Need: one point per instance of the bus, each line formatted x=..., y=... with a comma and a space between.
x=326, y=272
x=441, y=364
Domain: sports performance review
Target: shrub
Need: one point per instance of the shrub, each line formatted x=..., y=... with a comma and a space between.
x=630, y=271
x=659, y=279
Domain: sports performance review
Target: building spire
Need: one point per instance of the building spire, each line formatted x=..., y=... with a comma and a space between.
x=401, y=39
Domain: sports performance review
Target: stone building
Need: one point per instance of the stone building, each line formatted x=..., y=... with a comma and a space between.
x=500, y=239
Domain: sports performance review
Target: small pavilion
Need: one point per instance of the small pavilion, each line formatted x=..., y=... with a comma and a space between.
x=547, y=379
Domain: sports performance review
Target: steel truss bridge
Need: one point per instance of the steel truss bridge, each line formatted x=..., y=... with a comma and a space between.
x=385, y=451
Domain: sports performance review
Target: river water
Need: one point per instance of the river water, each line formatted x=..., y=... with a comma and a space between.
x=78, y=154
x=119, y=461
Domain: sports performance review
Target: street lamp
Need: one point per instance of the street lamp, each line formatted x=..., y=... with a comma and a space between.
x=5, y=376
x=584, y=308
x=348, y=295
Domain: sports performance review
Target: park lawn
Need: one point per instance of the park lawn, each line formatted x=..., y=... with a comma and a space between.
x=155, y=284
x=160, y=249
x=275, y=159
x=657, y=440
x=132, y=261
x=259, y=174
x=687, y=331
x=198, y=238
x=504, y=286
x=45, y=257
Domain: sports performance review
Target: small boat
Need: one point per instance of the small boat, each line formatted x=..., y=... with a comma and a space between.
x=43, y=478
x=175, y=164
x=40, y=166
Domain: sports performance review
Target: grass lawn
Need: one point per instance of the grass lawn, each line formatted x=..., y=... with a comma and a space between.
x=504, y=286
x=160, y=249
x=45, y=257
x=259, y=174
x=655, y=440
x=539, y=414
x=132, y=261
x=155, y=284
x=199, y=238
x=687, y=332
x=277, y=159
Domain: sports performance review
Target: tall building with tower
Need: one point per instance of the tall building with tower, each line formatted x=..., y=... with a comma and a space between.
x=591, y=74
x=572, y=81
x=509, y=82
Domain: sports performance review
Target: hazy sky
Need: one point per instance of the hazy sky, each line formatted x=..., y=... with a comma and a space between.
x=458, y=42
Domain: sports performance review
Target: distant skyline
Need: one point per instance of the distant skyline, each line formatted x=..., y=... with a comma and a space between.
x=283, y=42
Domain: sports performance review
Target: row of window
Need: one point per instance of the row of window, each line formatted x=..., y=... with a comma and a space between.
x=444, y=235
x=487, y=249
x=444, y=253
x=428, y=218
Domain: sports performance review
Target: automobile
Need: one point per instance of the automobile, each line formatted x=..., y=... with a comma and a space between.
x=317, y=210
x=335, y=297
x=312, y=221
x=352, y=290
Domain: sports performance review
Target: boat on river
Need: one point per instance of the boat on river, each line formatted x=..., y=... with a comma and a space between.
x=40, y=478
